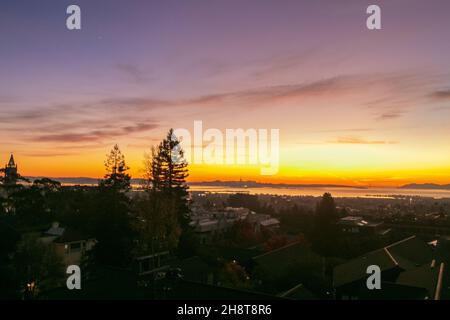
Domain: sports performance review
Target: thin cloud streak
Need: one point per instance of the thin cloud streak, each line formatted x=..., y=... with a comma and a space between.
x=390, y=115
x=96, y=135
x=441, y=95
x=358, y=140
x=133, y=72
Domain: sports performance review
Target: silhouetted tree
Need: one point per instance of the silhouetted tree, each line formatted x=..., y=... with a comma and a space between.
x=29, y=206
x=156, y=222
x=112, y=222
x=37, y=266
x=325, y=233
x=249, y=201
x=47, y=185
x=242, y=234
x=166, y=172
x=233, y=275
x=116, y=176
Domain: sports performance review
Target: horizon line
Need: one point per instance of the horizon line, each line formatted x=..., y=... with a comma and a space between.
x=258, y=182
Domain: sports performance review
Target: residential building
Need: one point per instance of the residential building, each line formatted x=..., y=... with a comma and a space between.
x=360, y=225
x=69, y=244
x=408, y=268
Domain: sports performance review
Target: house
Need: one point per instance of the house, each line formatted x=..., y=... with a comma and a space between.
x=261, y=222
x=212, y=225
x=69, y=244
x=361, y=226
x=408, y=271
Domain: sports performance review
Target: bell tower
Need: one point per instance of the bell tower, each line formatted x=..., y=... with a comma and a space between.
x=11, y=172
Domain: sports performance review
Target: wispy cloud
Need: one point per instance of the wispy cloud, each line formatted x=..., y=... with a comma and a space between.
x=7, y=99
x=283, y=63
x=133, y=72
x=270, y=94
x=116, y=116
x=390, y=115
x=95, y=135
x=133, y=103
x=266, y=96
x=347, y=130
x=256, y=97
x=359, y=140
x=46, y=154
x=441, y=95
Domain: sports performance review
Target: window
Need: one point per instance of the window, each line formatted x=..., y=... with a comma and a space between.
x=74, y=247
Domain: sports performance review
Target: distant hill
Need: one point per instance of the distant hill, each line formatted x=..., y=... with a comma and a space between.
x=81, y=180
x=254, y=184
x=248, y=184
x=232, y=184
x=430, y=186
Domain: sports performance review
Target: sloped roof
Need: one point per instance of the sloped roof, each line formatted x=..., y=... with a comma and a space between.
x=270, y=222
x=279, y=260
x=299, y=292
x=55, y=231
x=358, y=221
x=11, y=162
x=426, y=277
x=71, y=236
x=356, y=269
x=406, y=254
x=413, y=250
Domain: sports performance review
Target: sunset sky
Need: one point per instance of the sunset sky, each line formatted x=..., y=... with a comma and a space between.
x=353, y=106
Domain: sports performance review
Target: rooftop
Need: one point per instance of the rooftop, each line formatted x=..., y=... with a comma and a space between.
x=411, y=257
x=358, y=221
x=71, y=236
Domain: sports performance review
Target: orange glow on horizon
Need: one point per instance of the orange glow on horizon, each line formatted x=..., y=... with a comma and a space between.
x=91, y=166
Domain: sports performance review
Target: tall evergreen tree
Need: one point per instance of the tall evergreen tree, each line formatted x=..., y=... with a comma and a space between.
x=325, y=233
x=166, y=212
x=167, y=172
x=112, y=223
x=116, y=176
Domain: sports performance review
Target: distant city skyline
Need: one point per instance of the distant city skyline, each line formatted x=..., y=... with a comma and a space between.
x=354, y=106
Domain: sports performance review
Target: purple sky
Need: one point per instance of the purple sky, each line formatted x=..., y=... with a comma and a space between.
x=310, y=68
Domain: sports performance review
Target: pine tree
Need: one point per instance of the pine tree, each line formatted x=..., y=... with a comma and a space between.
x=116, y=171
x=112, y=221
x=167, y=171
x=165, y=206
x=325, y=233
